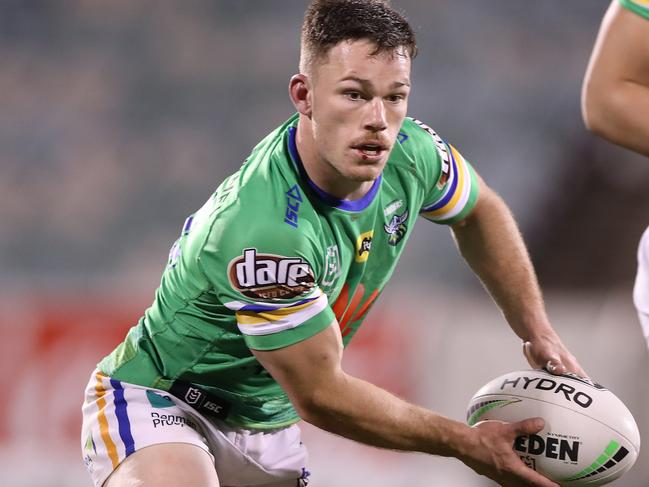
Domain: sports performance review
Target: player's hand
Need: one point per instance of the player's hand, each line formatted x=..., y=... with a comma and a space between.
x=492, y=453
x=547, y=351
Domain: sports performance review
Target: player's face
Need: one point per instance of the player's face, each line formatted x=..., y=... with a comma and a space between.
x=359, y=101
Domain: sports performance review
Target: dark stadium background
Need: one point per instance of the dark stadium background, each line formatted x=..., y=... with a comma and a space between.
x=118, y=119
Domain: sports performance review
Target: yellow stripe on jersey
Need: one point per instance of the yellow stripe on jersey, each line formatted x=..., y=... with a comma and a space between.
x=253, y=318
x=275, y=320
x=111, y=449
x=458, y=200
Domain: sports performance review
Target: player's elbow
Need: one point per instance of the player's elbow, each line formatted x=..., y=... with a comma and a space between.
x=590, y=118
x=310, y=411
x=599, y=107
x=593, y=108
x=318, y=405
x=313, y=407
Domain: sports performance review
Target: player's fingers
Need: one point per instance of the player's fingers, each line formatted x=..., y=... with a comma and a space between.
x=520, y=470
x=555, y=366
x=574, y=367
x=543, y=357
x=551, y=361
x=528, y=426
x=527, y=351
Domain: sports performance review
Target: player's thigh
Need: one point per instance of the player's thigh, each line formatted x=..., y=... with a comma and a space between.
x=166, y=465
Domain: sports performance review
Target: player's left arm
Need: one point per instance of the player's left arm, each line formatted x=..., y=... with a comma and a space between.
x=489, y=239
x=615, y=93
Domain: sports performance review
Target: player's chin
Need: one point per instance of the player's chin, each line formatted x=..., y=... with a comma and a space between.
x=363, y=171
x=365, y=174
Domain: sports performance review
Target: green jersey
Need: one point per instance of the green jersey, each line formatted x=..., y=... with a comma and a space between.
x=640, y=7
x=271, y=259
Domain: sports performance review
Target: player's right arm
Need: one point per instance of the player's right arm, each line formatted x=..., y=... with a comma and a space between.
x=324, y=395
x=615, y=94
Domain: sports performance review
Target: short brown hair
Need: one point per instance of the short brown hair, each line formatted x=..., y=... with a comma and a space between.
x=328, y=22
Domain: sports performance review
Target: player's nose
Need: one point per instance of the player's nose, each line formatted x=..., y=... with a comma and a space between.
x=375, y=119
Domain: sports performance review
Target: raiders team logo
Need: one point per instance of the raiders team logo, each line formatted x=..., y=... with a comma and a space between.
x=269, y=276
x=396, y=228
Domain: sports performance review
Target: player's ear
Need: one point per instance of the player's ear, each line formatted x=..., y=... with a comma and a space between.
x=299, y=89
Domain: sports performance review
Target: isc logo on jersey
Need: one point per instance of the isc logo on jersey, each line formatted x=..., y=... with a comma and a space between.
x=269, y=276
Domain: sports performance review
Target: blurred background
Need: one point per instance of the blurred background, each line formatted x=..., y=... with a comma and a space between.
x=118, y=119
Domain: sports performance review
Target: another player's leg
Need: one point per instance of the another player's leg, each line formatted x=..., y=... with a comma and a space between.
x=166, y=465
x=641, y=288
x=644, y=322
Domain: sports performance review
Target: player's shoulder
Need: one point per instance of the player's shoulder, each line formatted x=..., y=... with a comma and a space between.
x=417, y=137
x=260, y=238
x=262, y=244
x=420, y=150
x=266, y=190
x=640, y=7
x=263, y=203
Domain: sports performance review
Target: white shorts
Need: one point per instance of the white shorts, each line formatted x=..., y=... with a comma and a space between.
x=120, y=418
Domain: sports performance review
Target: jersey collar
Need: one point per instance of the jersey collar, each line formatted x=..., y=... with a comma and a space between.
x=329, y=199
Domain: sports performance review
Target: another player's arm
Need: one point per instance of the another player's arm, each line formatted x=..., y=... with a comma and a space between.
x=324, y=395
x=489, y=239
x=615, y=94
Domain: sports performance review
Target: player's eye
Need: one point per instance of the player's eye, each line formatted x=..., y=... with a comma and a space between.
x=396, y=98
x=353, y=95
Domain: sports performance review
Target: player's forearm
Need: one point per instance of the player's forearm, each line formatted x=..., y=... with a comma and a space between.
x=363, y=412
x=492, y=245
x=324, y=395
x=618, y=112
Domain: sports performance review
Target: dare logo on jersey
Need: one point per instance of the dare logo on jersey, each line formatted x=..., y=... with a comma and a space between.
x=269, y=276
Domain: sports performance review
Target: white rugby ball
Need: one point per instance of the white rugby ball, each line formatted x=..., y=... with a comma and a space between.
x=590, y=437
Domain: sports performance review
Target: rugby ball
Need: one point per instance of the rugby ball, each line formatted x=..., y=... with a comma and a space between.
x=589, y=438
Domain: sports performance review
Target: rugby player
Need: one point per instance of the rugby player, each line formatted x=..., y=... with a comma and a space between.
x=615, y=103
x=272, y=277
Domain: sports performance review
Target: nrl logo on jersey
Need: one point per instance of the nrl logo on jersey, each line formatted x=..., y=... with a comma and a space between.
x=269, y=276
x=332, y=267
x=396, y=228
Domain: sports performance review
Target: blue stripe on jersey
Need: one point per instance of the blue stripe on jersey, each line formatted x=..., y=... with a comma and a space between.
x=122, y=417
x=257, y=307
x=348, y=205
x=188, y=224
x=449, y=194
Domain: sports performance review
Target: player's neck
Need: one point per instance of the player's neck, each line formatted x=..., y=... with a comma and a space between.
x=323, y=174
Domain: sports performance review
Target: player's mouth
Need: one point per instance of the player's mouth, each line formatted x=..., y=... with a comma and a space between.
x=371, y=151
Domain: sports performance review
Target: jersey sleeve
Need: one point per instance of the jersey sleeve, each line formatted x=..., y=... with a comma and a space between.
x=267, y=275
x=451, y=184
x=640, y=7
